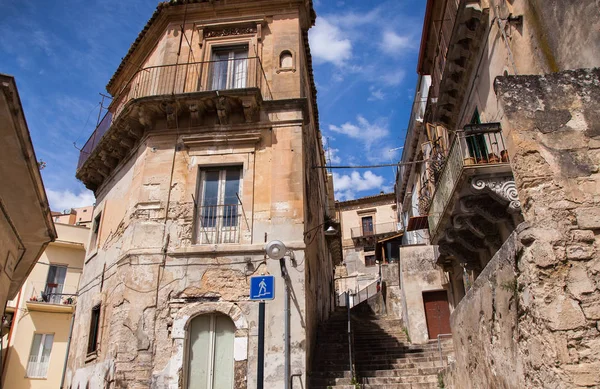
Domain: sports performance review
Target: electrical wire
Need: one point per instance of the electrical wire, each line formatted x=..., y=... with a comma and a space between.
x=85, y=125
x=373, y=166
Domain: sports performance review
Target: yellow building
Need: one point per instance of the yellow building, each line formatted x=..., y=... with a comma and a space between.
x=39, y=318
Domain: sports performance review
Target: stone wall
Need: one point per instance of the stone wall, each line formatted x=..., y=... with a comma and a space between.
x=552, y=127
x=484, y=326
x=548, y=335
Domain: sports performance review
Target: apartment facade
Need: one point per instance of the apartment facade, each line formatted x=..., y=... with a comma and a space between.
x=480, y=174
x=40, y=317
x=81, y=216
x=206, y=154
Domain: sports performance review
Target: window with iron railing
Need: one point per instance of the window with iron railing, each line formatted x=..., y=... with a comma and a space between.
x=218, y=205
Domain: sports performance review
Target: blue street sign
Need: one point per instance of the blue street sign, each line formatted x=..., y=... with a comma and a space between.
x=262, y=287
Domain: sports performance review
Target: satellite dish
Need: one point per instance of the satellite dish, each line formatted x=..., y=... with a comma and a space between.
x=275, y=249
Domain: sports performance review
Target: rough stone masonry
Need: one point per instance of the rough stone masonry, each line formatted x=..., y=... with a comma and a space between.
x=552, y=123
x=534, y=322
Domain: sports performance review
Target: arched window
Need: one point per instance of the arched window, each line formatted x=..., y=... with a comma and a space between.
x=286, y=60
x=210, y=356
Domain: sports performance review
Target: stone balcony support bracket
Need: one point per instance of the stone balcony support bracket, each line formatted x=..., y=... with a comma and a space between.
x=502, y=189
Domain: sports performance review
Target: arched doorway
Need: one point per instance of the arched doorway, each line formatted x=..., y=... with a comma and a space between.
x=210, y=352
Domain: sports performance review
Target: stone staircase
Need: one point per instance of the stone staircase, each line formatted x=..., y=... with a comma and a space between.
x=384, y=359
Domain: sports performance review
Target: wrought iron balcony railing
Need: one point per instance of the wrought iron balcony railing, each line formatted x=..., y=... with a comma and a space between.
x=165, y=80
x=42, y=292
x=375, y=229
x=477, y=146
x=218, y=224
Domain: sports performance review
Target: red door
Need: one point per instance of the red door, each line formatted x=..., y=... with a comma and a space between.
x=437, y=313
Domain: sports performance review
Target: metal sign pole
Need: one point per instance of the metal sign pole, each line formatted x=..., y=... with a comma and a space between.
x=261, y=346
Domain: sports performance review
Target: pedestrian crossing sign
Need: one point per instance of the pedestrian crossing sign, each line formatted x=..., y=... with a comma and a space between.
x=262, y=287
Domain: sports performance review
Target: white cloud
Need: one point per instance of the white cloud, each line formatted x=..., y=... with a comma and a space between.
x=376, y=94
x=346, y=186
x=66, y=199
x=363, y=130
x=328, y=43
x=393, y=77
x=394, y=44
x=332, y=156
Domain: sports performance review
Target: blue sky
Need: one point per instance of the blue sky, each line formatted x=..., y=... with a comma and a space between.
x=63, y=52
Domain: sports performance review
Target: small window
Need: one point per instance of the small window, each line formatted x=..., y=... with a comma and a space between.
x=95, y=231
x=370, y=260
x=286, y=60
x=94, y=329
x=39, y=356
x=218, y=207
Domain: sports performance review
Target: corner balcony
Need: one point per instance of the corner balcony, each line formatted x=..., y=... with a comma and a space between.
x=370, y=234
x=475, y=197
x=200, y=94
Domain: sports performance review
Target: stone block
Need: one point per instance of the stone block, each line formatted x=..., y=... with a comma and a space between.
x=563, y=314
x=584, y=374
x=588, y=218
x=578, y=282
x=579, y=252
x=591, y=309
x=542, y=254
x=583, y=236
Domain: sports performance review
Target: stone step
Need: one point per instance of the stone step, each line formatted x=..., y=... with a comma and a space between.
x=388, y=386
x=432, y=378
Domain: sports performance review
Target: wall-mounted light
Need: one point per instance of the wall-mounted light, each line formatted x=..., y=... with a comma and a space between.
x=329, y=231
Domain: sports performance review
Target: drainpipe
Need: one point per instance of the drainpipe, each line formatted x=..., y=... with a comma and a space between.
x=10, y=335
x=286, y=331
x=62, y=379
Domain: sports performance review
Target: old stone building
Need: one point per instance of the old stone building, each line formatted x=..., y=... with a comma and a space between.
x=507, y=189
x=205, y=155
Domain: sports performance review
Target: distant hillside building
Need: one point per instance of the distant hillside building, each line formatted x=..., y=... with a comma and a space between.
x=81, y=216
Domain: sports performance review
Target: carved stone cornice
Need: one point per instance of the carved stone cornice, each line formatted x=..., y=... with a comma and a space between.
x=502, y=189
x=230, y=31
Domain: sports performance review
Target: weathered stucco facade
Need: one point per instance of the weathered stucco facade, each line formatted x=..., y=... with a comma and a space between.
x=26, y=226
x=156, y=260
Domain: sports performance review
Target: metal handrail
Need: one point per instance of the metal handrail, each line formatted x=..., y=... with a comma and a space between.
x=168, y=79
x=439, y=342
